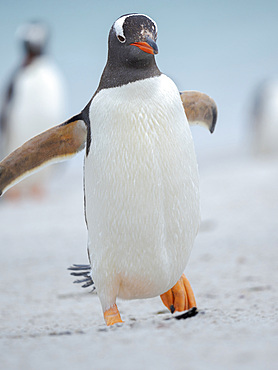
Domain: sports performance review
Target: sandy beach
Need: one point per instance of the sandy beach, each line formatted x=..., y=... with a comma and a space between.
x=49, y=323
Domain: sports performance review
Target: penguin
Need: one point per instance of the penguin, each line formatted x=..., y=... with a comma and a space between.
x=141, y=181
x=34, y=97
x=264, y=119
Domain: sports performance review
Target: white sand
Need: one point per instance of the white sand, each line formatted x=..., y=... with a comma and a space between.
x=49, y=323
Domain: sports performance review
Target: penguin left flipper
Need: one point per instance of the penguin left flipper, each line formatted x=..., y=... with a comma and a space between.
x=54, y=145
x=180, y=297
x=200, y=109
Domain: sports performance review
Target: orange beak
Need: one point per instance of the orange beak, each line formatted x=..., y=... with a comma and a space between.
x=149, y=47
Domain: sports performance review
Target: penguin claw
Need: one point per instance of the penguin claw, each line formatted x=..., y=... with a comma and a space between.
x=180, y=297
x=193, y=311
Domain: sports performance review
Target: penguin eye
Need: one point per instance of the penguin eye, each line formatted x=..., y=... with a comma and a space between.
x=121, y=38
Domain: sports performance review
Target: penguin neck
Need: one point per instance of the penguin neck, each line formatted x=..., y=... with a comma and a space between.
x=118, y=74
x=30, y=58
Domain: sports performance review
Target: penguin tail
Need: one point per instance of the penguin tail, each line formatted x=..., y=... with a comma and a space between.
x=84, y=273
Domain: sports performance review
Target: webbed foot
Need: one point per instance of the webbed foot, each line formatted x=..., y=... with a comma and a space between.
x=112, y=315
x=180, y=297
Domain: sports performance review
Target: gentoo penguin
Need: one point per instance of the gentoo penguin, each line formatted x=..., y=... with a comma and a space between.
x=264, y=119
x=140, y=173
x=34, y=98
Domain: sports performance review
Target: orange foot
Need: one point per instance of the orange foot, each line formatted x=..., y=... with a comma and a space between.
x=112, y=315
x=180, y=297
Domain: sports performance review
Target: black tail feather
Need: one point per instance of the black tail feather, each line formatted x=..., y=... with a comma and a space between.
x=86, y=273
x=84, y=280
x=82, y=271
x=76, y=267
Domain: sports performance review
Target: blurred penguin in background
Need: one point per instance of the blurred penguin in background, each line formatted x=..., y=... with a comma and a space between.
x=32, y=101
x=264, y=119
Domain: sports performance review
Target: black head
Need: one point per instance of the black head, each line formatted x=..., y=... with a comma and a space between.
x=34, y=37
x=132, y=39
x=131, y=50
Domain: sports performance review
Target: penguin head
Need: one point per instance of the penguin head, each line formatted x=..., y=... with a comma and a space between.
x=132, y=40
x=131, y=51
x=34, y=37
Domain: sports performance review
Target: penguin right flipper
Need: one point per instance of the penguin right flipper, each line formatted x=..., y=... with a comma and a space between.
x=54, y=145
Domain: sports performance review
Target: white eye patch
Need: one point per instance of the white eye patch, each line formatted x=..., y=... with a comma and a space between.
x=118, y=25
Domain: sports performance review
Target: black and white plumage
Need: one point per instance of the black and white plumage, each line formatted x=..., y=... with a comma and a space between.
x=264, y=119
x=141, y=178
x=34, y=97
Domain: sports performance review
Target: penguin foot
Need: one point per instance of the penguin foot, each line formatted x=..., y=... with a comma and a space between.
x=180, y=297
x=112, y=315
x=85, y=272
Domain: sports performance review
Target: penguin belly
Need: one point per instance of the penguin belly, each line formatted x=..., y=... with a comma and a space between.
x=141, y=190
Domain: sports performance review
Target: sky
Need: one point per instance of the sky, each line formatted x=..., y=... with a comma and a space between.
x=225, y=49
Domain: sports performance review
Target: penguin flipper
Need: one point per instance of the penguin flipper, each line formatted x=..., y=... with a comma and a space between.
x=200, y=109
x=54, y=145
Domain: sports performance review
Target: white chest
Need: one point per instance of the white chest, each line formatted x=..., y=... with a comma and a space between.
x=141, y=184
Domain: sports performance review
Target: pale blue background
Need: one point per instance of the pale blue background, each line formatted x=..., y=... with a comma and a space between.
x=223, y=48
